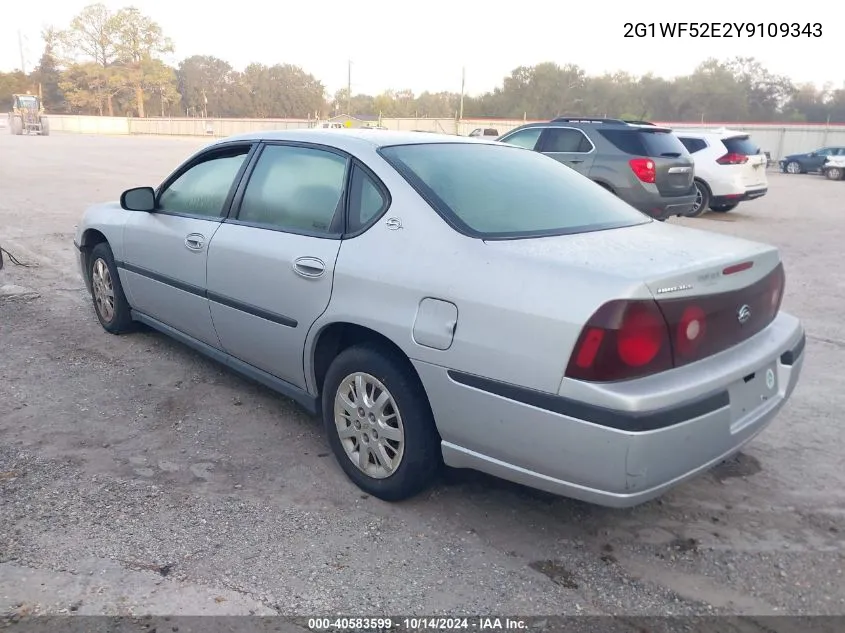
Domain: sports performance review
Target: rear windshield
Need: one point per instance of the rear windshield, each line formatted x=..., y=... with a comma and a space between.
x=741, y=145
x=651, y=143
x=501, y=191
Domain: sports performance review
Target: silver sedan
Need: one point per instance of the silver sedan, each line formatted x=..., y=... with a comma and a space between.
x=440, y=299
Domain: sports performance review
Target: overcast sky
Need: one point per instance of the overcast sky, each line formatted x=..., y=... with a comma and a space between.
x=423, y=45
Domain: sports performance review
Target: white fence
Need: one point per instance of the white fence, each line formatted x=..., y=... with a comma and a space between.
x=779, y=139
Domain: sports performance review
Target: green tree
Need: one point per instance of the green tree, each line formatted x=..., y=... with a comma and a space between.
x=47, y=74
x=281, y=91
x=90, y=39
x=139, y=43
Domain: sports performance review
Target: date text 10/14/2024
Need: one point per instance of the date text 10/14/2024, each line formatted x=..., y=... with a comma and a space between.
x=417, y=624
x=723, y=29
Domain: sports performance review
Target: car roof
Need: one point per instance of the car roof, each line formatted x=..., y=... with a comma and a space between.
x=350, y=138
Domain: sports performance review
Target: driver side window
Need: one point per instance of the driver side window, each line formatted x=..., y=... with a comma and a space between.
x=526, y=138
x=203, y=189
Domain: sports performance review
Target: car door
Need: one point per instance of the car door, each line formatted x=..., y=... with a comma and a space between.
x=818, y=158
x=271, y=264
x=164, y=251
x=570, y=146
x=526, y=137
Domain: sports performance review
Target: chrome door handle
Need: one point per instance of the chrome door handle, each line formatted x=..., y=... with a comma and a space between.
x=310, y=267
x=195, y=241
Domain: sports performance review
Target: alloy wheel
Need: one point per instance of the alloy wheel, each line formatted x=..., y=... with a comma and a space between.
x=103, y=287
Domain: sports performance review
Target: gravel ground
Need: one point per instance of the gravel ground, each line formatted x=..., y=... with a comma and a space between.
x=138, y=477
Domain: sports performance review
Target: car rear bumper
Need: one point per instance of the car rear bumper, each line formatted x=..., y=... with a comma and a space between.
x=665, y=208
x=749, y=194
x=607, y=455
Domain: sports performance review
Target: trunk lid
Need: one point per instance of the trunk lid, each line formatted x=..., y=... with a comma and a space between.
x=754, y=169
x=669, y=260
x=734, y=285
x=674, y=167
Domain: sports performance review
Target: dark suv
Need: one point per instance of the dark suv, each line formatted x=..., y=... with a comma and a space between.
x=645, y=165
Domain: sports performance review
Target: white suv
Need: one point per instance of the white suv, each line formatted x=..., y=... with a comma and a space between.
x=729, y=169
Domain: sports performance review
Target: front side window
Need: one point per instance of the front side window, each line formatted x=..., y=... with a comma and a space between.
x=526, y=138
x=296, y=189
x=497, y=191
x=202, y=190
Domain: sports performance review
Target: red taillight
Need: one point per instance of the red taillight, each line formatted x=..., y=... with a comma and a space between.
x=643, y=169
x=732, y=158
x=637, y=338
x=622, y=340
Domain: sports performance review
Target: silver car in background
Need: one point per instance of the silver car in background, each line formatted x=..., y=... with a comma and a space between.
x=443, y=299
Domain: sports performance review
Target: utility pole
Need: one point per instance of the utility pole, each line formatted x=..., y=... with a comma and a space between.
x=463, y=85
x=20, y=49
x=349, y=88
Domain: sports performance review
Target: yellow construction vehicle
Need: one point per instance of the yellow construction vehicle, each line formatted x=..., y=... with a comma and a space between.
x=27, y=116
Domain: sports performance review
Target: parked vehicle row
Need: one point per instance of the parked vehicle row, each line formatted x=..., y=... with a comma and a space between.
x=438, y=299
x=661, y=172
x=809, y=161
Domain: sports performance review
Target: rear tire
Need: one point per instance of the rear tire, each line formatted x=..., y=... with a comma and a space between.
x=702, y=199
x=403, y=454
x=45, y=127
x=16, y=125
x=834, y=173
x=724, y=208
x=110, y=304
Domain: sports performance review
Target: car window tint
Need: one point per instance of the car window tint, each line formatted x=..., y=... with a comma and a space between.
x=295, y=188
x=365, y=200
x=627, y=141
x=500, y=191
x=526, y=138
x=203, y=189
x=741, y=145
x=693, y=144
x=565, y=140
x=825, y=152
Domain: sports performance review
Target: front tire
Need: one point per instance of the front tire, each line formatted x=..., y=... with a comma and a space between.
x=45, y=127
x=702, y=199
x=379, y=423
x=110, y=303
x=794, y=167
x=16, y=125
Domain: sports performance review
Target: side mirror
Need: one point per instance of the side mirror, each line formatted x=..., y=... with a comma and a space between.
x=813, y=154
x=138, y=199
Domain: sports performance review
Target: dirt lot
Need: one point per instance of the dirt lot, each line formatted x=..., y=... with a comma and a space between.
x=135, y=476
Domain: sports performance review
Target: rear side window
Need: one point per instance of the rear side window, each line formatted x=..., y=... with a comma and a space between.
x=498, y=191
x=693, y=144
x=296, y=189
x=741, y=145
x=651, y=143
x=565, y=140
x=366, y=200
